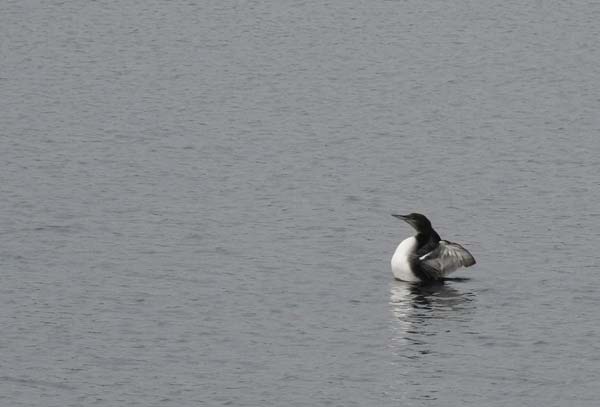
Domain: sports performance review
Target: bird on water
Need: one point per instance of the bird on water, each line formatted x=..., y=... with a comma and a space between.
x=425, y=257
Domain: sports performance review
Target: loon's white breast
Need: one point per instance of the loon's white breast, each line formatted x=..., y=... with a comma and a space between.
x=400, y=260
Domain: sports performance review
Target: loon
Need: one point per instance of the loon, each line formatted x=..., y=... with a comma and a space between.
x=425, y=257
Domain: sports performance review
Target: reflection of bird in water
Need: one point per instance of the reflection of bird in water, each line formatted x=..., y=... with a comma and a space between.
x=425, y=257
x=436, y=296
x=415, y=307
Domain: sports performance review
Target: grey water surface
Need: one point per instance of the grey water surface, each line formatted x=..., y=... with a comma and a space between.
x=195, y=202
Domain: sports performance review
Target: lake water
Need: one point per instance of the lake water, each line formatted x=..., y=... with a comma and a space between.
x=196, y=198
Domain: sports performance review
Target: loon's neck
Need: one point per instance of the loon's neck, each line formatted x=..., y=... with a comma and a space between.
x=428, y=233
x=427, y=240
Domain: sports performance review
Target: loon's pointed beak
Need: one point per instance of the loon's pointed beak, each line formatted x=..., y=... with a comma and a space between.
x=401, y=217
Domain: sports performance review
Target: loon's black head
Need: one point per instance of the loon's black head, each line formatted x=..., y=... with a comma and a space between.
x=417, y=221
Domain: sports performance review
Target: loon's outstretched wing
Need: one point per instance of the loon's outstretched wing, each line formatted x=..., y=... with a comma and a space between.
x=445, y=258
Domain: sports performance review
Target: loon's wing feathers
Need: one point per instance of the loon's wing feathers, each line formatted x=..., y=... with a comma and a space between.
x=446, y=258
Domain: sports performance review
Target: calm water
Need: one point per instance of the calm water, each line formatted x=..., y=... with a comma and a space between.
x=195, y=202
